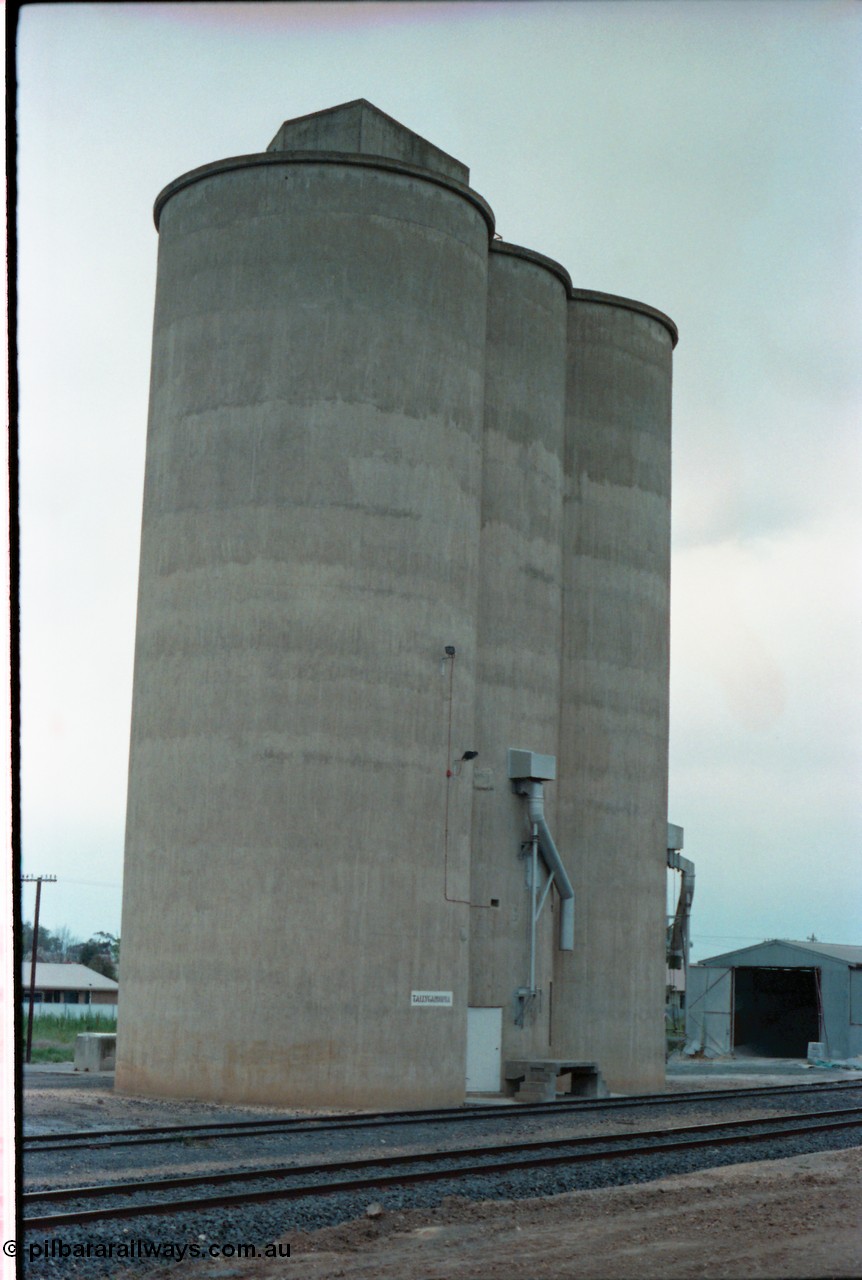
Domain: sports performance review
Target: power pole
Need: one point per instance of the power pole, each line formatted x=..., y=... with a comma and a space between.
x=38, y=879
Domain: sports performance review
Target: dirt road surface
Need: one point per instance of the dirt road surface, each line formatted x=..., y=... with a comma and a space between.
x=776, y=1220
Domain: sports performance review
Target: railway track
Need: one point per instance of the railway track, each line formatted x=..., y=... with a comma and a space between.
x=125, y=1200
x=225, y=1130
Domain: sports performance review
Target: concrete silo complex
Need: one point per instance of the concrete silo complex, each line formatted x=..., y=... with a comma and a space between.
x=398, y=770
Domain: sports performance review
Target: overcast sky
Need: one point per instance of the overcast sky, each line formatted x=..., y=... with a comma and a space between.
x=700, y=157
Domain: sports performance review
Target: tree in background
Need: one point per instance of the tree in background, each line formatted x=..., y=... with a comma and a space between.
x=101, y=953
x=56, y=947
x=60, y=946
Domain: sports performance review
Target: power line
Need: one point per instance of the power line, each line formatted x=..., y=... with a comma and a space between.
x=94, y=884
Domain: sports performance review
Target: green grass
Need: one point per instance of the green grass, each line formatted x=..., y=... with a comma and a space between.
x=54, y=1033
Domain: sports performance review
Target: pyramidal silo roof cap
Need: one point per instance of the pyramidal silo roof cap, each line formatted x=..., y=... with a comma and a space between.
x=360, y=128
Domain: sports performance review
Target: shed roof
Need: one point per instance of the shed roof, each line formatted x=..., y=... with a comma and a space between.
x=66, y=977
x=845, y=953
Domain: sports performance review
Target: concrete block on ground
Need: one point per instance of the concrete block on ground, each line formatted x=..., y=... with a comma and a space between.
x=96, y=1051
x=536, y=1091
x=535, y=1079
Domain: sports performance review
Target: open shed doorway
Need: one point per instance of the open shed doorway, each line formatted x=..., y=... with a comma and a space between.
x=776, y=1012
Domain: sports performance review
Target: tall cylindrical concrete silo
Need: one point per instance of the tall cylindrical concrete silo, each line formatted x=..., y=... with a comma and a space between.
x=614, y=721
x=520, y=631
x=310, y=540
x=402, y=627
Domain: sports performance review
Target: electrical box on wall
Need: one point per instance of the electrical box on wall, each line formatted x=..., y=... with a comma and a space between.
x=530, y=764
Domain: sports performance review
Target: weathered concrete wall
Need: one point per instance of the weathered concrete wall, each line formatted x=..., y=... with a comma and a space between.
x=614, y=728
x=520, y=626
x=310, y=542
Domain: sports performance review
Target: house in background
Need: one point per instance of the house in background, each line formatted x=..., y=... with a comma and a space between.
x=774, y=999
x=69, y=984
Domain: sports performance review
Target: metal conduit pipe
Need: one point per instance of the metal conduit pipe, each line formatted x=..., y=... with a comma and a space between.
x=677, y=862
x=680, y=935
x=536, y=809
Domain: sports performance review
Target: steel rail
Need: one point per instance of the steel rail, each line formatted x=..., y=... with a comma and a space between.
x=378, y=1119
x=518, y=1156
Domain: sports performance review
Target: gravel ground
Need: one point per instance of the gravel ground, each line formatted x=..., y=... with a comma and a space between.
x=47, y=1102
x=778, y=1220
x=64, y=1101
x=204, y=1154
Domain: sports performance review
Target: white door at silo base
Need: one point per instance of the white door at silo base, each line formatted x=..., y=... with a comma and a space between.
x=484, y=1041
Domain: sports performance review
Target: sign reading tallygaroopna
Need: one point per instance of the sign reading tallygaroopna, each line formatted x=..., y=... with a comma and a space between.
x=430, y=999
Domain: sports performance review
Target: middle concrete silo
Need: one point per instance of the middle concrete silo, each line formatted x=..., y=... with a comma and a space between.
x=519, y=636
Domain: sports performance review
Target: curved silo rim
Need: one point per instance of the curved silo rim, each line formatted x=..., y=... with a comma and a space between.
x=627, y=304
x=540, y=260
x=321, y=157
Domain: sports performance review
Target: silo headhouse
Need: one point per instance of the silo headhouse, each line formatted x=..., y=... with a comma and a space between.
x=397, y=804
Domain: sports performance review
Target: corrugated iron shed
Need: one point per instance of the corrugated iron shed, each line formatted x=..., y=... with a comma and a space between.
x=776, y=998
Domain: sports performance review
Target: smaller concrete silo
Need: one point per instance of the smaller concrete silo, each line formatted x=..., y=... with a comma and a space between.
x=614, y=714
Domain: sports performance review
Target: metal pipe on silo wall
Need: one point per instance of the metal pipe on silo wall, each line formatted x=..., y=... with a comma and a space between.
x=534, y=792
x=609, y=993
